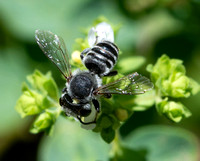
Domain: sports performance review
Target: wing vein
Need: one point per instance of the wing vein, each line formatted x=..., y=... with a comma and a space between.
x=54, y=48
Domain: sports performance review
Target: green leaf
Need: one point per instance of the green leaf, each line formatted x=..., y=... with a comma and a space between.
x=70, y=142
x=130, y=64
x=107, y=105
x=107, y=80
x=108, y=134
x=144, y=101
x=176, y=143
x=135, y=103
x=107, y=124
x=104, y=121
x=44, y=122
x=115, y=122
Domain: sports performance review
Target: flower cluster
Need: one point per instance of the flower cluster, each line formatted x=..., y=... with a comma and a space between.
x=37, y=99
x=169, y=76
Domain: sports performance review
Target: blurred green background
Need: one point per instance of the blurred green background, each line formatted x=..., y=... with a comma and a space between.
x=149, y=28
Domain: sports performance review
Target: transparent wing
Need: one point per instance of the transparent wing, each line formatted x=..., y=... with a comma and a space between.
x=54, y=48
x=129, y=85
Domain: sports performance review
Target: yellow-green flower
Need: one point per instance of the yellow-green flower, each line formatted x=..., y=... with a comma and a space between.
x=29, y=103
x=176, y=86
x=43, y=122
x=175, y=111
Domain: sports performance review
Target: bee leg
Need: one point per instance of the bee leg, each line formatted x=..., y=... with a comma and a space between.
x=71, y=108
x=112, y=73
x=96, y=105
x=85, y=123
x=65, y=100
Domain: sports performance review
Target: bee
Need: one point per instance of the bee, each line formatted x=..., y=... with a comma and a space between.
x=84, y=87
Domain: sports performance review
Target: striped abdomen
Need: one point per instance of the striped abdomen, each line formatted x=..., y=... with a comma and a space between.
x=101, y=58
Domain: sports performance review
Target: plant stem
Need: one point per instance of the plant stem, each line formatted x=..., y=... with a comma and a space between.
x=116, y=150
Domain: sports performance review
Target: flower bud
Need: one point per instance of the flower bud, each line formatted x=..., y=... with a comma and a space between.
x=121, y=114
x=176, y=86
x=29, y=103
x=76, y=57
x=44, y=83
x=175, y=111
x=43, y=122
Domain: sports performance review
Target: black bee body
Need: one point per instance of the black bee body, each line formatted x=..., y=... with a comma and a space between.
x=101, y=58
x=80, y=88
